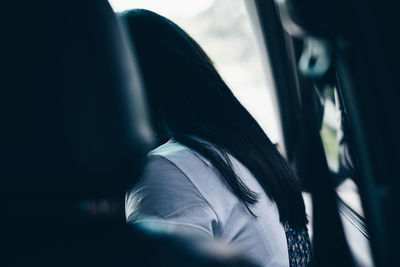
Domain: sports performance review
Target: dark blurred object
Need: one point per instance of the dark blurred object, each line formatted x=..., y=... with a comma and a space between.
x=74, y=136
x=76, y=239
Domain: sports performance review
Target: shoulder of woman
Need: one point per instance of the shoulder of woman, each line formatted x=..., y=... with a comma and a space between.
x=166, y=196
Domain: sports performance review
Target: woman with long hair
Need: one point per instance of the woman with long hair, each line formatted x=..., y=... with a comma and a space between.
x=218, y=175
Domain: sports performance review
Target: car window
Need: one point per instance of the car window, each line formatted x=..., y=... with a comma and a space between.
x=335, y=139
x=336, y=145
x=224, y=30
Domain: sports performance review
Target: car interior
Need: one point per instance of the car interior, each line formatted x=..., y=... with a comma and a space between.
x=76, y=131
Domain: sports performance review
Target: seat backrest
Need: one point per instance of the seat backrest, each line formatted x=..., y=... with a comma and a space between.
x=74, y=121
x=73, y=128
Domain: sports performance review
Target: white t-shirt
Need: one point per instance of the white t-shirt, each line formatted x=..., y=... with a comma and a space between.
x=180, y=191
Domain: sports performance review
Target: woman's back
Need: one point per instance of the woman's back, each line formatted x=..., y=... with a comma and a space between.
x=190, y=103
x=180, y=191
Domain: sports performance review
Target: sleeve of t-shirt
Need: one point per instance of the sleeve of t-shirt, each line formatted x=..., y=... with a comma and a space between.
x=166, y=200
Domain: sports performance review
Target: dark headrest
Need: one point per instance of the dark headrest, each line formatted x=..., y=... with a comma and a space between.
x=321, y=18
x=75, y=123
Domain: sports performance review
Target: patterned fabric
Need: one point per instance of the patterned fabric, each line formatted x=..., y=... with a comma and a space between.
x=299, y=247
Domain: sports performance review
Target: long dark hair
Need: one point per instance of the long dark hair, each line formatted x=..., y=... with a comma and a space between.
x=190, y=102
